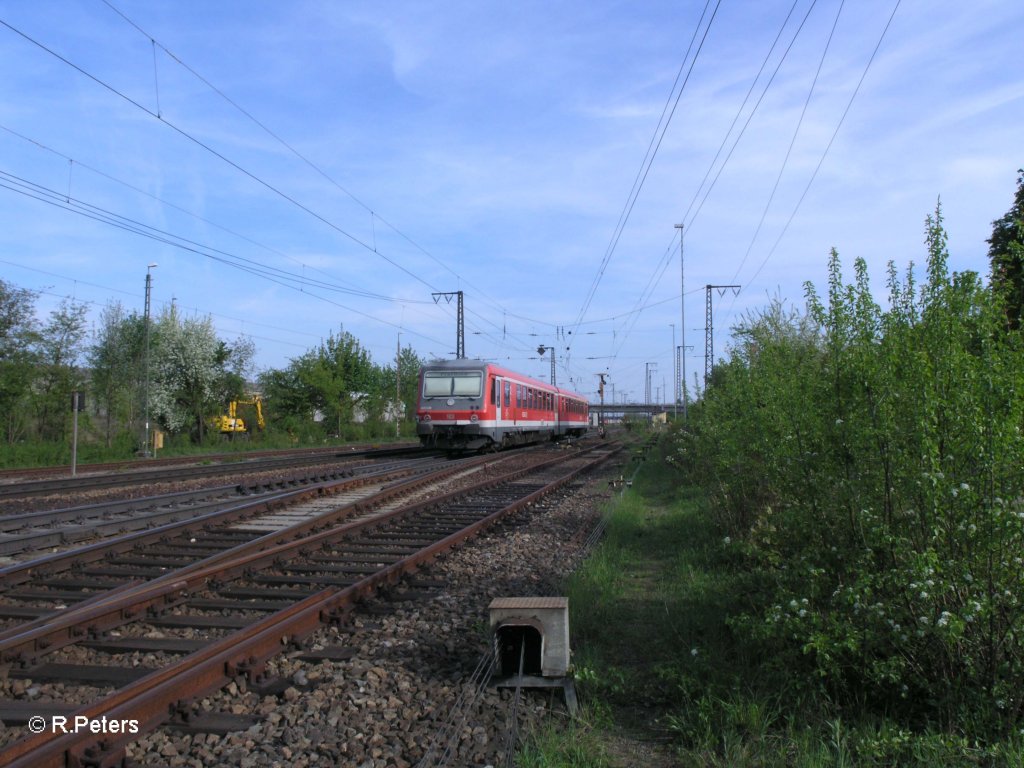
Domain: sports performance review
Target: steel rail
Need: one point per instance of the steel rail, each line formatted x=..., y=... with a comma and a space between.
x=153, y=699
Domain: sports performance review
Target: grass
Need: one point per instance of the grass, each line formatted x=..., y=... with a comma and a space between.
x=657, y=664
x=91, y=449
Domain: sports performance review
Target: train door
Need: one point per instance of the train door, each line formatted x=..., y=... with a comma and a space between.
x=508, y=396
x=498, y=385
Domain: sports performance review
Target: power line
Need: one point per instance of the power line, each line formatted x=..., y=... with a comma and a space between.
x=789, y=150
x=185, y=134
x=76, y=162
x=792, y=141
x=275, y=274
x=753, y=111
x=831, y=141
x=648, y=161
x=49, y=196
x=374, y=216
x=353, y=291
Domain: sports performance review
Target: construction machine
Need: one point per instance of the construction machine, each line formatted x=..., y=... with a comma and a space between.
x=232, y=424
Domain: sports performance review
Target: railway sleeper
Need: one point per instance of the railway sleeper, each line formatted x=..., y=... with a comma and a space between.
x=82, y=674
x=114, y=645
x=218, y=723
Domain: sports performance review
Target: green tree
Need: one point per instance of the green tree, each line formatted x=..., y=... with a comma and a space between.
x=116, y=362
x=1006, y=255
x=288, y=401
x=339, y=376
x=18, y=336
x=869, y=463
x=60, y=344
x=409, y=364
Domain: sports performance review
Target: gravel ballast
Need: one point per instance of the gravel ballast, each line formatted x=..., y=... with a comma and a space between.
x=415, y=651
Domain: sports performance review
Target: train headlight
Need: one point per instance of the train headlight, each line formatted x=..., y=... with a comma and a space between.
x=425, y=417
x=474, y=418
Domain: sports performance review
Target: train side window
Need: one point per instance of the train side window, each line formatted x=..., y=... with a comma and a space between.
x=508, y=394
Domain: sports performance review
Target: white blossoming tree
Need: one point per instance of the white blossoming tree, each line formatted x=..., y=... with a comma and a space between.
x=187, y=373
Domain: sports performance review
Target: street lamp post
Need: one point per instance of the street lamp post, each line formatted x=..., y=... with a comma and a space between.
x=145, y=392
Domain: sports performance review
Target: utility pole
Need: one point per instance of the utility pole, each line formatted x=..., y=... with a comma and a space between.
x=398, y=386
x=675, y=374
x=540, y=351
x=709, y=340
x=460, y=335
x=77, y=404
x=681, y=392
x=145, y=393
x=682, y=320
x=647, y=391
x=600, y=390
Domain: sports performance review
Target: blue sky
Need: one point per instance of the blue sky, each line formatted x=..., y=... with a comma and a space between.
x=363, y=155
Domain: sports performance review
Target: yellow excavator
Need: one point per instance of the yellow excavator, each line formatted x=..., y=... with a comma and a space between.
x=232, y=424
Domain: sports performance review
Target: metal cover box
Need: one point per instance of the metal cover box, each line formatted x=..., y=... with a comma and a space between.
x=541, y=624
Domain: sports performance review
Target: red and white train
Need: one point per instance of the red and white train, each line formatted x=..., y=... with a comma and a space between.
x=469, y=405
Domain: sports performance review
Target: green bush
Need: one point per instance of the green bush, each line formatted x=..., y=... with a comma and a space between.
x=868, y=461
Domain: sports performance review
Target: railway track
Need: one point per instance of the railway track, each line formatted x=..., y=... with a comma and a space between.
x=233, y=611
x=17, y=475
x=50, y=583
x=64, y=485
x=38, y=529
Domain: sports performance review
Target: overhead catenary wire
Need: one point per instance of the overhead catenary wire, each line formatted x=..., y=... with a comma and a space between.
x=828, y=147
x=648, y=161
x=162, y=201
x=374, y=215
x=482, y=321
x=789, y=152
x=688, y=221
x=221, y=156
x=198, y=310
x=832, y=140
x=305, y=281
x=692, y=215
x=53, y=198
x=663, y=264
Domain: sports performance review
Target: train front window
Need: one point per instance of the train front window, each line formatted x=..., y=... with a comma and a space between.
x=452, y=383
